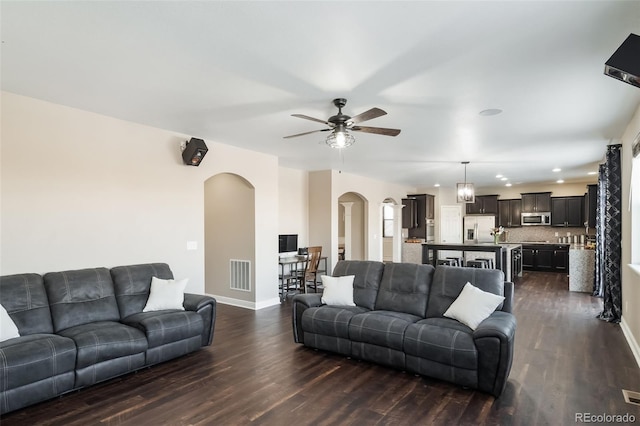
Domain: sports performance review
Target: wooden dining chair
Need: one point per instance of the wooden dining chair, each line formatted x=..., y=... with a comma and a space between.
x=310, y=278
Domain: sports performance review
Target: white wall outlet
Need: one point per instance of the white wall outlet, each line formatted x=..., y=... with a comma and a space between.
x=568, y=234
x=192, y=245
x=556, y=234
x=183, y=145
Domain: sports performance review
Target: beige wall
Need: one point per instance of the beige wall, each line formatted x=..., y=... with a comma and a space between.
x=229, y=234
x=630, y=274
x=84, y=190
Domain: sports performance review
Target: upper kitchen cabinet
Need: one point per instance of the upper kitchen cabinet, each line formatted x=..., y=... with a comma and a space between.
x=534, y=202
x=409, y=213
x=484, y=204
x=430, y=207
x=509, y=213
x=567, y=211
x=591, y=205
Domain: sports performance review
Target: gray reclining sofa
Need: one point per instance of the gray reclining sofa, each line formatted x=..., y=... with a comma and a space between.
x=398, y=322
x=85, y=326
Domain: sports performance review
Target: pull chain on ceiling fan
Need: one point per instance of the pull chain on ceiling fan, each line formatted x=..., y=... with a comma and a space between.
x=340, y=125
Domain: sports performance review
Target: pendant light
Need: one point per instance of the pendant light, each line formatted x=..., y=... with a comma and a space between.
x=466, y=192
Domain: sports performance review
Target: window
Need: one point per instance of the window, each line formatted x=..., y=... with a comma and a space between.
x=387, y=220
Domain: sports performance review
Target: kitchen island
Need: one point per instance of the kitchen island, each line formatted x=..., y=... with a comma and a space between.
x=506, y=255
x=581, y=268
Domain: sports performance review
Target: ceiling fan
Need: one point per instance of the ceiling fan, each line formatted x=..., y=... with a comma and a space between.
x=340, y=125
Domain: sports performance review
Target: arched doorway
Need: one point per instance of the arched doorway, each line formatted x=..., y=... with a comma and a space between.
x=352, y=225
x=229, y=235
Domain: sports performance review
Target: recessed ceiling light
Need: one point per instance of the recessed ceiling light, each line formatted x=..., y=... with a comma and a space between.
x=490, y=111
x=436, y=185
x=503, y=178
x=507, y=184
x=592, y=173
x=560, y=181
x=498, y=176
x=556, y=170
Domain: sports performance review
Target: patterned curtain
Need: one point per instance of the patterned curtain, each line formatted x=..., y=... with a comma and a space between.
x=608, y=281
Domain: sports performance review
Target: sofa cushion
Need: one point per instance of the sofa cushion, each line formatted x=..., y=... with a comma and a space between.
x=448, y=282
x=35, y=357
x=81, y=297
x=473, y=306
x=166, y=294
x=104, y=340
x=132, y=284
x=329, y=320
x=25, y=299
x=366, y=282
x=442, y=340
x=8, y=328
x=162, y=327
x=382, y=328
x=338, y=291
x=404, y=287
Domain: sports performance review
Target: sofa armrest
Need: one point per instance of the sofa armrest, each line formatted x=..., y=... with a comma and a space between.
x=300, y=303
x=507, y=305
x=494, y=340
x=205, y=306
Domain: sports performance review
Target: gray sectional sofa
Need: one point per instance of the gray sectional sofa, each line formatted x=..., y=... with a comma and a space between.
x=398, y=322
x=81, y=327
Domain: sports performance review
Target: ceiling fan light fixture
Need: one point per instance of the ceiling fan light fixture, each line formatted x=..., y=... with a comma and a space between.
x=340, y=139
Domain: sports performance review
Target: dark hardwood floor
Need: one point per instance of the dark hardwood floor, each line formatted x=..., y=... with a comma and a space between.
x=566, y=362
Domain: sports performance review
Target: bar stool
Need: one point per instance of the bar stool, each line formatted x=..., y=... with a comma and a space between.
x=476, y=264
x=487, y=260
x=456, y=261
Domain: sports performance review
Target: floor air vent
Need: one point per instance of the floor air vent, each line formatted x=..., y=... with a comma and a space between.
x=240, y=274
x=631, y=397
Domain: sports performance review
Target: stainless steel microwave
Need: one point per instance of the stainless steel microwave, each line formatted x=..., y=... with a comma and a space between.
x=528, y=219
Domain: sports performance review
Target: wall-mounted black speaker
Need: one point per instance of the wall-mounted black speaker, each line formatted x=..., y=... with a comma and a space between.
x=194, y=152
x=624, y=64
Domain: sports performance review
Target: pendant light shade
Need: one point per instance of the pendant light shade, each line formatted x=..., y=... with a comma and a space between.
x=340, y=138
x=466, y=192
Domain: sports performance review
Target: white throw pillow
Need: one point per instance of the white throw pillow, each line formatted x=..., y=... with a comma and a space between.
x=338, y=291
x=8, y=329
x=166, y=294
x=473, y=306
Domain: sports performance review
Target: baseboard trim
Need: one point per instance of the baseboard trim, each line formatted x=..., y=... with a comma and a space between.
x=633, y=343
x=245, y=304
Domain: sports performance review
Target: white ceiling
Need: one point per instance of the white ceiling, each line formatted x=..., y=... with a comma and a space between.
x=234, y=72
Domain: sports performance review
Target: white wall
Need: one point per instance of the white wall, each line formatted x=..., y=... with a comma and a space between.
x=630, y=274
x=83, y=190
x=293, y=204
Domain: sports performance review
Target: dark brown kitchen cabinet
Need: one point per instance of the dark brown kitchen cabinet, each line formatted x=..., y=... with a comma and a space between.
x=484, y=204
x=509, y=213
x=422, y=206
x=561, y=258
x=534, y=202
x=430, y=207
x=545, y=257
x=567, y=211
x=591, y=205
x=409, y=213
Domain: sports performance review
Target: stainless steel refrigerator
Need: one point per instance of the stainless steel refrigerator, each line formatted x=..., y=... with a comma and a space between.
x=477, y=229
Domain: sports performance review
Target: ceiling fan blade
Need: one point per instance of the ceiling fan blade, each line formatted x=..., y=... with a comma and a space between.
x=377, y=130
x=367, y=115
x=306, y=117
x=306, y=133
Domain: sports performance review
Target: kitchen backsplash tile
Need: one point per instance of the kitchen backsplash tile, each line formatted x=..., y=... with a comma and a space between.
x=540, y=233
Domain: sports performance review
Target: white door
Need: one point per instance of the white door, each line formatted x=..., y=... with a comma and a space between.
x=450, y=229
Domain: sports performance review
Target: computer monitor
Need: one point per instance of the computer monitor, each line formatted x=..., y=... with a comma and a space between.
x=287, y=243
